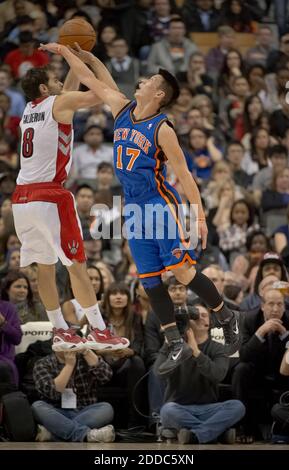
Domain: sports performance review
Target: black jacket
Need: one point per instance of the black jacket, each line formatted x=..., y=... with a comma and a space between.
x=267, y=355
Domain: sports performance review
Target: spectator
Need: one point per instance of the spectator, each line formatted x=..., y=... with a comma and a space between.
x=235, y=154
x=201, y=16
x=278, y=196
x=237, y=15
x=123, y=68
x=270, y=265
x=264, y=45
x=281, y=14
x=279, y=123
x=17, y=103
x=278, y=57
x=233, y=66
x=264, y=335
x=127, y=364
x=233, y=238
x=159, y=20
x=281, y=236
x=16, y=289
x=25, y=57
x=257, y=244
x=196, y=76
x=154, y=340
x=253, y=108
x=216, y=56
x=192, y=410
x=173, y=52
x=203, y=153
x=8, y=157
x=10, y=336
x=106, y=34
x=9, y=125
x=257, y=157
x=84, y=197
x=67, y=384
x=10, y=9
x=89, y=155
x=278, y=161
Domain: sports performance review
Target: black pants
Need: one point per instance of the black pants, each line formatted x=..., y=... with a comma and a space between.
x=127, y=377
x=6, y=379
x=258, y=393
x=280, y=414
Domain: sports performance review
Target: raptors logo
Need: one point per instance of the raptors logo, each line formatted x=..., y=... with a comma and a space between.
x=73, y=247
x=177, y=253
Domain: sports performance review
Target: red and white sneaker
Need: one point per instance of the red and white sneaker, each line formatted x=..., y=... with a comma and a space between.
x=105, y=339
x=67, y=340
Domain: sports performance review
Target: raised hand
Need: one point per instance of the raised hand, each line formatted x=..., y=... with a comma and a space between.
x=84, y=56
x=53, y=47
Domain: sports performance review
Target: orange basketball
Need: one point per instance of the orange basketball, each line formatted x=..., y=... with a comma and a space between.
x=77, y=30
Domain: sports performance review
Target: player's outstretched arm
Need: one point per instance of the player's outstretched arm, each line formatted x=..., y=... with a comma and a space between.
x=168, y=142
x=98, y=68
x=71, y=82
x=113, y=98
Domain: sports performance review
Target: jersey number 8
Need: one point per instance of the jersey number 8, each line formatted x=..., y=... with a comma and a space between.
x=27, y=145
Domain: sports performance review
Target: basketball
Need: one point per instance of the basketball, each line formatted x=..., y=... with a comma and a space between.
x=77, y=30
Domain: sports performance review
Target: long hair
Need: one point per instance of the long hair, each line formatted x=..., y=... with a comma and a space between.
x=127, y=312
x=248, y=124
x=101, y=287
x=12, y=277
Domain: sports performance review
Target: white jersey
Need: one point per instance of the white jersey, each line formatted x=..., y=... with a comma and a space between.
x=46, y=145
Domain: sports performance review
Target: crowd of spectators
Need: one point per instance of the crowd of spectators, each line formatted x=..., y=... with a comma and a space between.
x=232, y=121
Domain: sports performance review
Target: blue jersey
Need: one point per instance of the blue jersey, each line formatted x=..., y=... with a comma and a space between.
x=138, y=160
x=140, y=166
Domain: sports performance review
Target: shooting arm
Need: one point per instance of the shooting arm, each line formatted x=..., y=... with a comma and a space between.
x=113, y=98
x=101, y=72
x=169, y=143
x=71, y=82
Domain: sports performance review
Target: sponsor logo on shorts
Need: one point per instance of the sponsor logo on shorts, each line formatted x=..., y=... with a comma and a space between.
x=73, y=247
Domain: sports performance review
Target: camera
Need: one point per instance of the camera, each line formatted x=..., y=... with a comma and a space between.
x=183, y=317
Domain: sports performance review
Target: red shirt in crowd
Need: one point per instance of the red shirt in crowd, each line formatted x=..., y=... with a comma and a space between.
x=20, y=63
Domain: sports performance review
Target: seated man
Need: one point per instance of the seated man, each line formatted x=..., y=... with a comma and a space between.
x=69, y=411
x=192, y=410
x=256, y=379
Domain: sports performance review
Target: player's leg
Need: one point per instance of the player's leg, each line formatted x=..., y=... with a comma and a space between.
x=63, y=337
x=205, y=290
x=99, y=337
x=146, y=255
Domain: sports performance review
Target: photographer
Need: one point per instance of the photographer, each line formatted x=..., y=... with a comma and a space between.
x=154, y=339
x=191, y=410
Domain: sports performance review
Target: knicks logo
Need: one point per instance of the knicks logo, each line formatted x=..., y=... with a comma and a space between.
x=73, y=247
x=177, y=253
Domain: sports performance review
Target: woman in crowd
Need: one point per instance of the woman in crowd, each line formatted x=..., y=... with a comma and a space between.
x=10, y=336
x=127, y=364
x=16, y=289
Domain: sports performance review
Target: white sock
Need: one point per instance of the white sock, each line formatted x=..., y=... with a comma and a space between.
x=94, y=317
x=56, y=318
